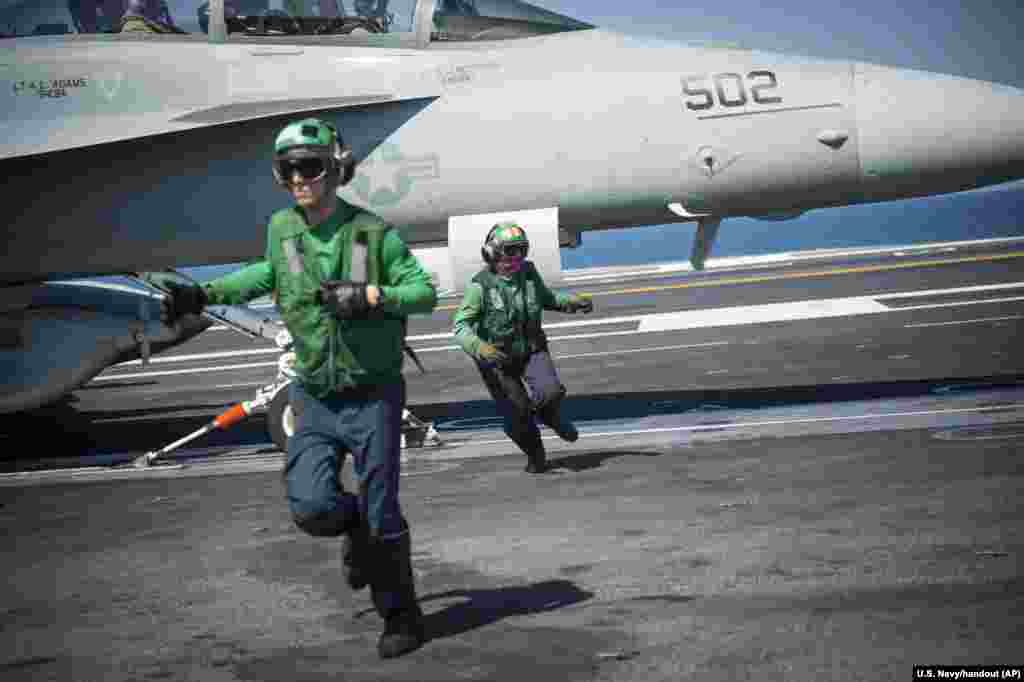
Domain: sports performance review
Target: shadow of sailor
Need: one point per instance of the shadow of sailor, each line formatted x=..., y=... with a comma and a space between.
x=480, y=607
x=595, y=459
x=486, y=606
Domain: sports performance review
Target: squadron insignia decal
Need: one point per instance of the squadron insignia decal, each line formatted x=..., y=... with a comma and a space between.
x=53, y=88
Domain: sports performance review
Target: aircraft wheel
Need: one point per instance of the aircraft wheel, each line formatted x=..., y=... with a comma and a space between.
x=360, y=25
x=281, y=420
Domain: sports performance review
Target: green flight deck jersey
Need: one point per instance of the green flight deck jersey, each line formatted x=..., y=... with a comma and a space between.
x=506, y=312
x=332, y=354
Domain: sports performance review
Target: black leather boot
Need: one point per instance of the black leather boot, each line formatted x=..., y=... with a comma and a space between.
x=536, y=457
x=393, y=590
x=354, y=556
x=535, y=464
x=551, y=415
x=402, y=634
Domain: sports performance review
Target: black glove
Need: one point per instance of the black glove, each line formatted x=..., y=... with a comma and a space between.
x=181, y=299
x=347, y=300
x=578, y=304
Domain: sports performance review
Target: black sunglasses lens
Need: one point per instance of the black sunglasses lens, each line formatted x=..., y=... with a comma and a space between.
x=308, y=169
x=516, y=251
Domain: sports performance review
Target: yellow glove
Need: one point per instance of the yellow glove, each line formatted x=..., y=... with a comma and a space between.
x=577, y=303
x=489, y=353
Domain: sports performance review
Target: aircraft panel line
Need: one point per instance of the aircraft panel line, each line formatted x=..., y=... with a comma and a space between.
x=831, y=105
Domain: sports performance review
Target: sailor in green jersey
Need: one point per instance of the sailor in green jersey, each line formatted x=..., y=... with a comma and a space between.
x=499, y=326
x=345, y=282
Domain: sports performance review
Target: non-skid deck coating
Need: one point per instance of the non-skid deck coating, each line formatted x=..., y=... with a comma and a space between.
x=788, y=500
x=841, y=556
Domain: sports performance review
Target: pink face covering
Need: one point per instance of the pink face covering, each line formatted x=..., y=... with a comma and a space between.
x=509, y=265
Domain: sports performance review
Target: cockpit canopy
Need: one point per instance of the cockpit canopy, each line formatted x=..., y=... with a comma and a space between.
x=313, y=17
x=464, y=20
x=452, y=20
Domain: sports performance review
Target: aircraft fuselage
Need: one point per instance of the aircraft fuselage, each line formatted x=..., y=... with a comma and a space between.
x=116, y=162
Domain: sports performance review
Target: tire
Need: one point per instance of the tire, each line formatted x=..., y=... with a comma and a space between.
x=281, y=419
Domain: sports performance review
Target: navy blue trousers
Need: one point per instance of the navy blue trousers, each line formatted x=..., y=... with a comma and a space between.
x=365, y=422
x=522, y=390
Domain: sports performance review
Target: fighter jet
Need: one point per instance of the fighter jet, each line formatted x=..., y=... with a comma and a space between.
x=127, y=151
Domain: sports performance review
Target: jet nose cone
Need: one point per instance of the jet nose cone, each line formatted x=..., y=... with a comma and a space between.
x=924, y=133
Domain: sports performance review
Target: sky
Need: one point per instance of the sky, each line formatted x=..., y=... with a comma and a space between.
x=977, y=39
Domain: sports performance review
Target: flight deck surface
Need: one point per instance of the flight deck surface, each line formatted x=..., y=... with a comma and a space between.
x=801, y=470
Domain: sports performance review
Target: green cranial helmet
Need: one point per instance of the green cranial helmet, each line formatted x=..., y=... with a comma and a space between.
x=311, y=139
x=502, y=237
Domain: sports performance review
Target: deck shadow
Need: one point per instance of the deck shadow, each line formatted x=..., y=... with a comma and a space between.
x=596, y=458
x=483, y=607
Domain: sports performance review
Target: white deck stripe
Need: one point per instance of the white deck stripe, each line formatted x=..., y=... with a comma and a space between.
x=811, y=310
x=641, y=350
x=980, y=319
x=957, y=290
x=204, y=356
x=953, y=304
x=658, y=322
x=760, y=314
x=173, y=372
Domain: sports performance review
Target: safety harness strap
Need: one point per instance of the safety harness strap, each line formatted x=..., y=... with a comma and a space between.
x=365, y=265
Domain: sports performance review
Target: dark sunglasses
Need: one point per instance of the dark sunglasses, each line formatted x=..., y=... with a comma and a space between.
x=514, y=250
x=310, y=170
